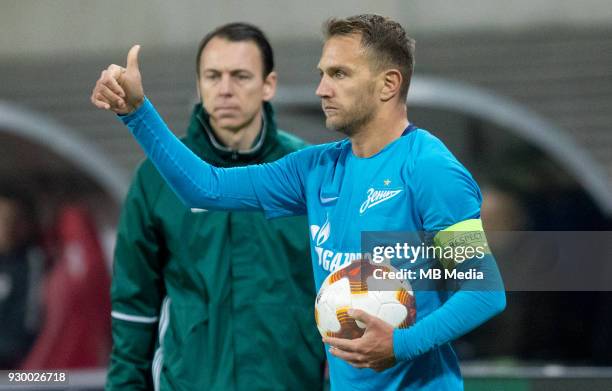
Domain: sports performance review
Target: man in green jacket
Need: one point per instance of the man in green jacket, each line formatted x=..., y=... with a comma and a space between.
x=216, y=300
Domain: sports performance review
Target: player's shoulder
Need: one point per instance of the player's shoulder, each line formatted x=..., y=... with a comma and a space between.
x=295, y=143
x=428, y=153
x=328, y=153
x=333, y=147
x=322, y=152
x=424, y=144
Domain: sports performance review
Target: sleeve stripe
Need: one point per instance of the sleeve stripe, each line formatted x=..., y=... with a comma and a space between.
x=133, y=318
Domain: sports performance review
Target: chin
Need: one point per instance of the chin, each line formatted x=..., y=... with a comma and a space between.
x=230, y=123
x=337, y=126
x=333, y=123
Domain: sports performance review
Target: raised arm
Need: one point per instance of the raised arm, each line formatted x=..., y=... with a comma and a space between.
x=197, y=183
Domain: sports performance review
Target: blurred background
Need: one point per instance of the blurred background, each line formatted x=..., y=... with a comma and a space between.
x=520, y=91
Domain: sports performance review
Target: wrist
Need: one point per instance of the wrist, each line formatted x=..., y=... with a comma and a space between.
x=137, y=110
x=137, y=104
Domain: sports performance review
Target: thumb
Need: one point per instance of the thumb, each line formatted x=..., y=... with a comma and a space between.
x=132, y=58
x=361, y=316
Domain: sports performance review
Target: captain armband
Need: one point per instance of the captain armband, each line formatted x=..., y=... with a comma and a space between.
x=460, y=242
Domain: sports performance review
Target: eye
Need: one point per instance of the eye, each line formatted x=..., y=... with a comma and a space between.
x=243, y=76
x=339, y=74
x=211, y=76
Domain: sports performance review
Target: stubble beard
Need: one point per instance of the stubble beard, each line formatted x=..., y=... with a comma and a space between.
x=353, y=120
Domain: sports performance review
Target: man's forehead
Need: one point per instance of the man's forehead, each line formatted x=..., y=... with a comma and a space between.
x=223, y=54
x=226, y=67
x=345, y=50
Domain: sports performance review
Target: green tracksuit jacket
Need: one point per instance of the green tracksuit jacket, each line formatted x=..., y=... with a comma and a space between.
x=208, y=300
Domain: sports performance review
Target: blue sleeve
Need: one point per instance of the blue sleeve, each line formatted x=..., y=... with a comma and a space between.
x=275, y=187
x=445, y=194
x=463, y=312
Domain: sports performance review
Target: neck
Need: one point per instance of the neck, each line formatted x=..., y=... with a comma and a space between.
x=238, y=139
x=384, y=128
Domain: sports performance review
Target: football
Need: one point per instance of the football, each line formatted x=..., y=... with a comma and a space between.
x=392, y=301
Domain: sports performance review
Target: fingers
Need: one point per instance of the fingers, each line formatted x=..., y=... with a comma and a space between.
x=111, y=77
x=355, y=359
x=120, y=89
x=103, y=102
x=99, y=101
x=373, y=350
x=108, y=93
x=361, y=316
x=359, y=360
x=109, y=96
x=132, y=58
x=347, y=345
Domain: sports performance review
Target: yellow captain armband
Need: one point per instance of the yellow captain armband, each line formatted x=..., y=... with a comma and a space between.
x=460, y=242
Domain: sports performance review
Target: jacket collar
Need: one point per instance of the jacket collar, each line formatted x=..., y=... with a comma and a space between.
x=201, y=139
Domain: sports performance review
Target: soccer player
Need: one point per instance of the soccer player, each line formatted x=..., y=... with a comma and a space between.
x=365, y=67
x=214, y=300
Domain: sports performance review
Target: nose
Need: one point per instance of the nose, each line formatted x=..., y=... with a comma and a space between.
x=323, y=90
x=225, y=85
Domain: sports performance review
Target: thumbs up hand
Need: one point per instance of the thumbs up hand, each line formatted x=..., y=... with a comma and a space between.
x=119, y=89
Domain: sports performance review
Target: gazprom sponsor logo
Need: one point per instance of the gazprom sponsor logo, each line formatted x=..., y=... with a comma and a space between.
x=328, y=259
x=375, y=197
x=331, y=261
x=320, y=234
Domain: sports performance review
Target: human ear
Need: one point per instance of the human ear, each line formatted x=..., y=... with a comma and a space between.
x=269, y=87
x=392, y=82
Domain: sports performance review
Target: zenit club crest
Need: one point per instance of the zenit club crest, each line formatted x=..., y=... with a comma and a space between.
x=375, y=197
